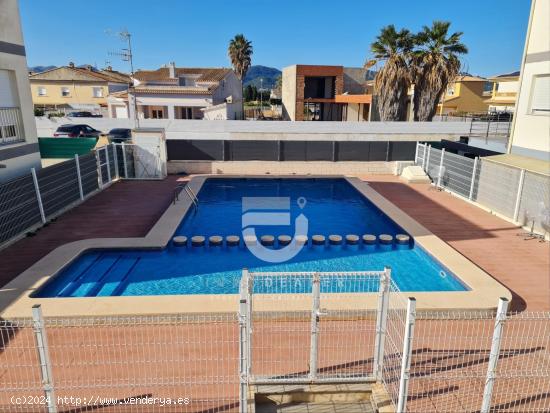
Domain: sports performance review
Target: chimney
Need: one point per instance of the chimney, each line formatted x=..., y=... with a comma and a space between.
x=71, y=64
x=172, y=70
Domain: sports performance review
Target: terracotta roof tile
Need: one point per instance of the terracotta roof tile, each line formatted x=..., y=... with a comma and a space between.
x=163, y=74
x=162, y=89
x=109, y=76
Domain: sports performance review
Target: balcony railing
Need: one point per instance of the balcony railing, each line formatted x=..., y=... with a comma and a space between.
x=11, y=126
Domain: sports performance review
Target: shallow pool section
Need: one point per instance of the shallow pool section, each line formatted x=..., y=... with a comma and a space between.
x=333, y=207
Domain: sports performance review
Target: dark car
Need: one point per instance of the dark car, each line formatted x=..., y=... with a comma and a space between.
x=119, y=135
x=83, y=114
x=76, y=131
x=80, y=114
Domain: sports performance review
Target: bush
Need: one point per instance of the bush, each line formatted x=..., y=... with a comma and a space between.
x=38, y=112
x=55, y=115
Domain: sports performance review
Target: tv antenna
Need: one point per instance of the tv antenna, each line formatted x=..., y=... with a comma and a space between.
x=126, y=55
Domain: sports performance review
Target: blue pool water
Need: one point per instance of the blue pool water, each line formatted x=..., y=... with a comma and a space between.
x=332, y=206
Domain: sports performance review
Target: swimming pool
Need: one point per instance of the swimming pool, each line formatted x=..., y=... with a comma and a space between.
x=332, y=206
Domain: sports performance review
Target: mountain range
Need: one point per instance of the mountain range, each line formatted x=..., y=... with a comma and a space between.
x=257, y=72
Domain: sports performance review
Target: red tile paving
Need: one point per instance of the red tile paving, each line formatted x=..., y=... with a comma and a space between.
x=199, y=359
x=125, y=209
x=130, y=209
x=490, y=242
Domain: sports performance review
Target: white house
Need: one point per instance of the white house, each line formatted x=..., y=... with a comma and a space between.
x=18, y=141
x=180, y=93
x=531, y=129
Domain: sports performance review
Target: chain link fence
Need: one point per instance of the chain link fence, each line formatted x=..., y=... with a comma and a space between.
x=519, y=195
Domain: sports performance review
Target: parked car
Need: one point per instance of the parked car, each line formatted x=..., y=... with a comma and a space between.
x=83, y=114
x=119, y=135
x=76, y=131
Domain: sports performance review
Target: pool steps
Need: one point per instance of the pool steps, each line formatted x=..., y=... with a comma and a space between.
x=284, y=240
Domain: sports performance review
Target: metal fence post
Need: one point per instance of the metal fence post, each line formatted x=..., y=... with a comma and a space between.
x=493, y=356
x=440, y=168
x=38, y=196
x=428, y=148
x=124, y=160
x=44, y=357
x=115, y=160
x=424, y=156
x=79, y=176
x=243, y=342
x=313, y=353
x=472, y=184
x=108, y=163
x=381, y=322
x=518, y=196
x=99, y=172
x=416, y=152
x=407, y=355
x=249, y=289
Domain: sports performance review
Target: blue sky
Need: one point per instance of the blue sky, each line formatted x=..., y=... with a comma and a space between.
x=283, y=32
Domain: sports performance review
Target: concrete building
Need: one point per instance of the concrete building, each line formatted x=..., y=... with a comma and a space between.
x=180, y=93
x=18, y=141
x=504, y=93
x=325, y=93
x=531, y=128
x=70, y=88
x=467, y=94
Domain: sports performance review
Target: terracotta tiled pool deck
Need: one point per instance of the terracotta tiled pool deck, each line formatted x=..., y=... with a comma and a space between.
x=184, y=352
x=130, y=209
x=523, y=266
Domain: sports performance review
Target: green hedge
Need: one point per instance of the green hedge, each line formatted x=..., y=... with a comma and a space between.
x=65, y=147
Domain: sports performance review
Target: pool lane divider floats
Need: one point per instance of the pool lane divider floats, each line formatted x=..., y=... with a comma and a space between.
x=400, y=240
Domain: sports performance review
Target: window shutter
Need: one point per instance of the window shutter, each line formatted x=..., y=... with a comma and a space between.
x=540, y=99
x=8, y=97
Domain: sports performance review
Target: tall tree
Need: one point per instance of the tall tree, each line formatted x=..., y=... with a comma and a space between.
x=247, y=93
x=392, y=82
x=435, y=63
x=240, y=53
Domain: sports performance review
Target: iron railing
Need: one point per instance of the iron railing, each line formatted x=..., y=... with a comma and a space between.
x=11, y=126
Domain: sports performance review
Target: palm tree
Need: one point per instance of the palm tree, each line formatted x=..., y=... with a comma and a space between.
x=435, y=64
x=240, y=53
x=392, y=82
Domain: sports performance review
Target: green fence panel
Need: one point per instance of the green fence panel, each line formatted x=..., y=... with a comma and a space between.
x=65, y=147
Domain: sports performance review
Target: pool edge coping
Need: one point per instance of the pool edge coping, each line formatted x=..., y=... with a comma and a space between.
x=16, y=300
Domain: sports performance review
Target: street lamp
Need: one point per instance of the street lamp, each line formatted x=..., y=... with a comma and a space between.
x=261, y=96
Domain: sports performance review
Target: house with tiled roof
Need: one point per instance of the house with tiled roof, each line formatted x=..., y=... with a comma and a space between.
x=172, y=92
x=465, y=95
x=71, y=88
x=504, y=93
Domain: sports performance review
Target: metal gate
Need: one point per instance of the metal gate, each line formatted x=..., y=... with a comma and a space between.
x=314, y=326
x=140, y=162
x=324, y=327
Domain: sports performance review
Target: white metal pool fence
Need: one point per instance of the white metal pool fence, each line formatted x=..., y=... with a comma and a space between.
x=516, y=194
x=32, y=200
x=315, y=330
